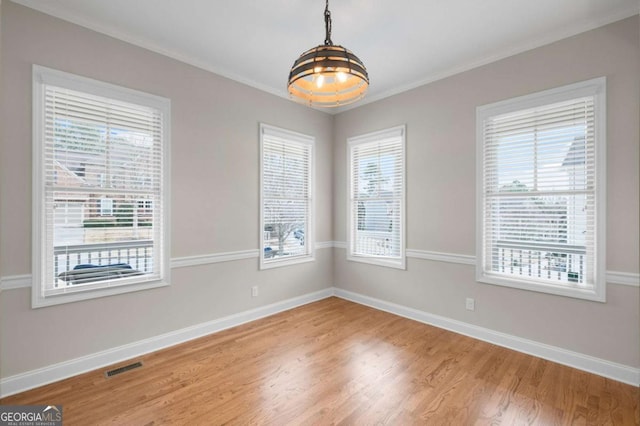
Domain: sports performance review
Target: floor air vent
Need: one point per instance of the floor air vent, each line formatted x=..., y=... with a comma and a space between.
x=119, y=370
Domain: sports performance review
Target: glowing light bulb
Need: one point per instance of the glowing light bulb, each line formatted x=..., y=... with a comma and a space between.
x=319, y=81
x=342, y=77
x=317, y=70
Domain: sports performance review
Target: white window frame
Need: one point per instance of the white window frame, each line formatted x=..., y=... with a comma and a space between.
x=288, y=136
x=372, y=138
x=41, y=77
x=595, y=88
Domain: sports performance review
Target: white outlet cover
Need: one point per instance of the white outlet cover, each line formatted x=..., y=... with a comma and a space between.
x=470, y=304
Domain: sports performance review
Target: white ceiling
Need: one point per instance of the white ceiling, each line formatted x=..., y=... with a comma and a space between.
x=403, y=43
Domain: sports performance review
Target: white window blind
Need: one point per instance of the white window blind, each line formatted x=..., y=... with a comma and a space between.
x=540, y=191
x=107, y=155
x=287, y=197
x=376, y=202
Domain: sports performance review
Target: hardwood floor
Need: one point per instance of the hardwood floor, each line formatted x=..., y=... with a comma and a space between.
x=333, y=362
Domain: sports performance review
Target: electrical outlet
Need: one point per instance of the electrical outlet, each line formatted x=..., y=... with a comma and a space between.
x=470, y=304
x=254, y=291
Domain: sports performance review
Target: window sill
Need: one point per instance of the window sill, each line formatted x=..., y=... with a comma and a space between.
x=277, y=263
x=39, y=301
x=585, y=293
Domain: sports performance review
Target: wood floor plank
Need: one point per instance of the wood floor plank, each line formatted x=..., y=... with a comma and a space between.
x=336, y=362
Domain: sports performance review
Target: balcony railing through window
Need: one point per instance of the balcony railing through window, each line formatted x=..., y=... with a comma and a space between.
x=552, y=262
x=82, y=263
x=374, y=243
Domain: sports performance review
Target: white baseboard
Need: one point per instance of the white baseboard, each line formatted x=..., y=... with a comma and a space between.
x=612, y=370
x=53, y=373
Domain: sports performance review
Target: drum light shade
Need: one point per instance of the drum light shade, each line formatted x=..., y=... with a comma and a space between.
x=328, y=75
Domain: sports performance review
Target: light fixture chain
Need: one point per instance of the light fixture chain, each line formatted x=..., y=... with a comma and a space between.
x=327, y=25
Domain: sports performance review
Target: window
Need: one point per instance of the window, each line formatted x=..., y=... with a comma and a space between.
x=99, y=148
x=145, y=207
x=106, y=206
x=376, y=164
x=286, y=197
x=541, y=189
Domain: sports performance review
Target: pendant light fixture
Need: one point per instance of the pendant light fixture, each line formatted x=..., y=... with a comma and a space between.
x=328, y=75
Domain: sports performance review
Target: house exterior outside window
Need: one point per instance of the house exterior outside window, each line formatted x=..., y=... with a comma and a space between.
x=541, y=191
x=98, y=149
x=376, y=218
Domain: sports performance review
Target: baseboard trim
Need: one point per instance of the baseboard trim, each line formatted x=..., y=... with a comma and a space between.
x=601, y=367
x=53, y=373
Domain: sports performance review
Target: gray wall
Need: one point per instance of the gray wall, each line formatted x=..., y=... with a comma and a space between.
x=215, y=201
x=440, y=119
